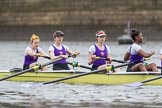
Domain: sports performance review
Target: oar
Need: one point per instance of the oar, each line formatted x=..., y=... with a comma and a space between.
x=136, y=84
x=31, y=69
x=119, y=61
x=47, y=57
x=75, y=76
x=115, y=60
x=76, y=64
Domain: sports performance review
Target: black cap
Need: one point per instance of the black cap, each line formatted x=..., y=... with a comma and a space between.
x=58, y=33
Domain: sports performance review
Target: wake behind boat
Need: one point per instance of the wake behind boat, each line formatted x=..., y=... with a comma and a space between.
x=97, y=78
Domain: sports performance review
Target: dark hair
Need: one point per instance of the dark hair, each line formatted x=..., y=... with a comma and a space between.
x=58, y=33
x=134, y=34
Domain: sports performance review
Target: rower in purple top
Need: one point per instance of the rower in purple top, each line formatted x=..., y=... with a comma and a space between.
x=32, y=53
x=99, y=49
x=60, y=50
x=136, y=55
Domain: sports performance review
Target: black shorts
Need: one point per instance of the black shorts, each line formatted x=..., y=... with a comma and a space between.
x=130, y=66
x=94, y=67
x=25, y=67
x=60, y=66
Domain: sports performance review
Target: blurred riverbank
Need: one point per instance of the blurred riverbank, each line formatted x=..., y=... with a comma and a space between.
x=78, y=19
x=76, y=32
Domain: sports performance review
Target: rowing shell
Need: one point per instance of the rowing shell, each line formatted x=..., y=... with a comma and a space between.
x=100, y=78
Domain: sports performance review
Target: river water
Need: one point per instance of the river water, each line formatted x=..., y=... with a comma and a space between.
x=17, y=95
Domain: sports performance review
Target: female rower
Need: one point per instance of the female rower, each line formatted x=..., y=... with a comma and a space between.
x=136, y=55
x=58, y=49
x=99, y=50
x=32, y=53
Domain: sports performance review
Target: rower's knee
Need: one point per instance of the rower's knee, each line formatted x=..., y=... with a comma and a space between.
x=153, y=64
x=154, y=67
x=142, y=67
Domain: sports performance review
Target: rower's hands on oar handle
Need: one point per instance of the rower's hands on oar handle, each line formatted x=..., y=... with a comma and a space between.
x=91, y=59
x=109, y=59
x=72, y=55
x=94, y=57
x=152, y=53
x=63, y=56
x=76, y=53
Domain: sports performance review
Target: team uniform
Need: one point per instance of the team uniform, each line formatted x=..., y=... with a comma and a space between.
x=135, y=58
x=61, y=64
x=99, y=53
x=30, y=59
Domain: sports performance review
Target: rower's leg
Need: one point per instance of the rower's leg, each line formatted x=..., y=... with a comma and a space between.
x=152, y=67
x=138, y=67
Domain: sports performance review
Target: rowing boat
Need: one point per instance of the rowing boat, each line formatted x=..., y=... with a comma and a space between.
x=100, y=78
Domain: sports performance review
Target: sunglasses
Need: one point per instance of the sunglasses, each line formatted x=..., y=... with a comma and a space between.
x=101, y=36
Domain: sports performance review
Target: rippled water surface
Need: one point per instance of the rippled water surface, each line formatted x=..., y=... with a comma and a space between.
x=19, y=95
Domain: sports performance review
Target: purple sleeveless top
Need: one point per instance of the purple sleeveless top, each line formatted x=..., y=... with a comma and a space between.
x=100, y=53
x=58, y=52
x=30, y=59
x=135, y=57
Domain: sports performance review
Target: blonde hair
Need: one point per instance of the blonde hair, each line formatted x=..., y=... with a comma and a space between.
x=33, y=37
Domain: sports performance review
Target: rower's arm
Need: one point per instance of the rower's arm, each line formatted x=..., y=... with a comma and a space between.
x=73, y=53
x=144, y=54
x=109, y=58
x=160, y=56
x=52, y=56
x=126, y=56
x=43, y=53
x=91, y=58
x=29, y=52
